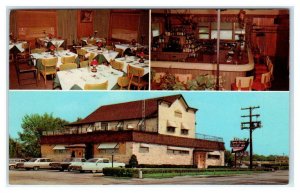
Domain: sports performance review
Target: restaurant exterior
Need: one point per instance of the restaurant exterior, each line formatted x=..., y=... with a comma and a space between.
x=159, y=131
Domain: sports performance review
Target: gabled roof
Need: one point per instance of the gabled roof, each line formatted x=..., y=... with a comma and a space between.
x=127, y=110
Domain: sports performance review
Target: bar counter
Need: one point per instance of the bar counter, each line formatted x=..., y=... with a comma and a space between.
x=229, y=71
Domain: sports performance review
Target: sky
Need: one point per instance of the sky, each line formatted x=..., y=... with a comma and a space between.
x=219, y=113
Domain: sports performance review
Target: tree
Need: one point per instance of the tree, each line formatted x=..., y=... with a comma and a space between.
x=14, y=148
x=229, y=160
x=33, y=127
x=133, y=162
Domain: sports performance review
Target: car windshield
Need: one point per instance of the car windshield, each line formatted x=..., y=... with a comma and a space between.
x=92, y=160
x=32, y=160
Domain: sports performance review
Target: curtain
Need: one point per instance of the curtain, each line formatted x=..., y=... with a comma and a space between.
x=101, y=23
x=67, y=25
x=13, y=23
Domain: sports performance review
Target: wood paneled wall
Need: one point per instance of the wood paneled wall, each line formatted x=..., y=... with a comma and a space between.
x=84, y=29
x=31, y=24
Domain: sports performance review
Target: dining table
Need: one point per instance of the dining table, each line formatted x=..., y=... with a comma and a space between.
x=108, y=54
x=135, y=62
x=132, y=47
x=77, y=78
x=18, y=45
x=85, y=39
x=55, y=41
x=37, y=57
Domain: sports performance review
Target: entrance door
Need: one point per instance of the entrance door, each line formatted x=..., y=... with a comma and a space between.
x=200, y=159
x=89, y=151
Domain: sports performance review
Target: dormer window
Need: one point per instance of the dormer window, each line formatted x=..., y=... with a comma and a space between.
x=178, y=114
x=171, y=125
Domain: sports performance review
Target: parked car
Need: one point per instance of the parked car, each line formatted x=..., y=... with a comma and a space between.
x=14, y=161
x=96, y=165
x=62, y=166
x=37, y=163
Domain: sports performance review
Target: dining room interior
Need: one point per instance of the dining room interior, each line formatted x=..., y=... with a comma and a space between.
x=79, y=49
x=220, y=49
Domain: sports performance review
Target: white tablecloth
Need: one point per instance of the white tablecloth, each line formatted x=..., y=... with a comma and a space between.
x=108, y=54
x=82, y=76
x=125, y=46
x=97, y=39
x=18, y=45
x=134, y=61
x=58, y=54
x=56, y=42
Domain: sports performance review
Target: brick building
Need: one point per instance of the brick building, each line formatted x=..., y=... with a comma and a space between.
x=157, y=130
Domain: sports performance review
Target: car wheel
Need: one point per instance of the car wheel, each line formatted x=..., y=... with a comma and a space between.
x=36, y=168
x=61, y=169
x=11, y=167
x=81, y=171
x=27, y=168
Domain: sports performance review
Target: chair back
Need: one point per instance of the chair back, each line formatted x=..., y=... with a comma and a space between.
x=266, y=79
x=120, y=51
x=84, y=64
x=38, y=50
x=68, y=59
x=183, y=77
x=81, y=52
x=49, y=62
x=135, y=71
x=117, y=65
x=91, y=41
x=68, y=66
x=92, y=56
x=101, y=86
x=109, y=47
x=244, y=83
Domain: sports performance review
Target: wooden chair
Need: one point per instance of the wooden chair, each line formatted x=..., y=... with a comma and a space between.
x=23, y=67
x=101, y=86
x=68, y=59
x=117, y=65
x=48, y=67
x=123, y=82
x=38, y=50
x=81, y=54
x=91, y=41
x=109, y=47
x=263, y=83
x=135, y=75
x=84, y=64
x=242, y=83
x=120, y=51
x=68, y=66
x=183, y=77
x=26, y=53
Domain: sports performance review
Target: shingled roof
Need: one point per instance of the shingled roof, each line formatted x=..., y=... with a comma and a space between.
x=127, y=110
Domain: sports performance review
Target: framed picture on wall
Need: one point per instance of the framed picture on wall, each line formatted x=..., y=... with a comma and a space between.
x=86, y=16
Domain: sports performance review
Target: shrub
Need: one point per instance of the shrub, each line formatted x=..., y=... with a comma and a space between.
x=133, y=162
x=120, y=172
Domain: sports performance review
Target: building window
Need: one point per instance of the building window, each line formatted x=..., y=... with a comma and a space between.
x=104, y=126
x=178, y=114
x=184, y=132
x=178, y=152
x=171, y=129
x=59, y=151
x=144, y=150
x=120, y=126
x=209, y=156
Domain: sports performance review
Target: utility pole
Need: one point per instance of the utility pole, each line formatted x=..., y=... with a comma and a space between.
x=251, y=125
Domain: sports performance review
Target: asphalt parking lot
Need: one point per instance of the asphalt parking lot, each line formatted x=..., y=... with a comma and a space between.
x=52, y=177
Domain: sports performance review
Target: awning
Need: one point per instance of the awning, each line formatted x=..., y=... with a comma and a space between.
x=59, y=147
x=108, y=146
x=179, y=148
x=184, y=126
x=171, y=124
x=144, y=145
